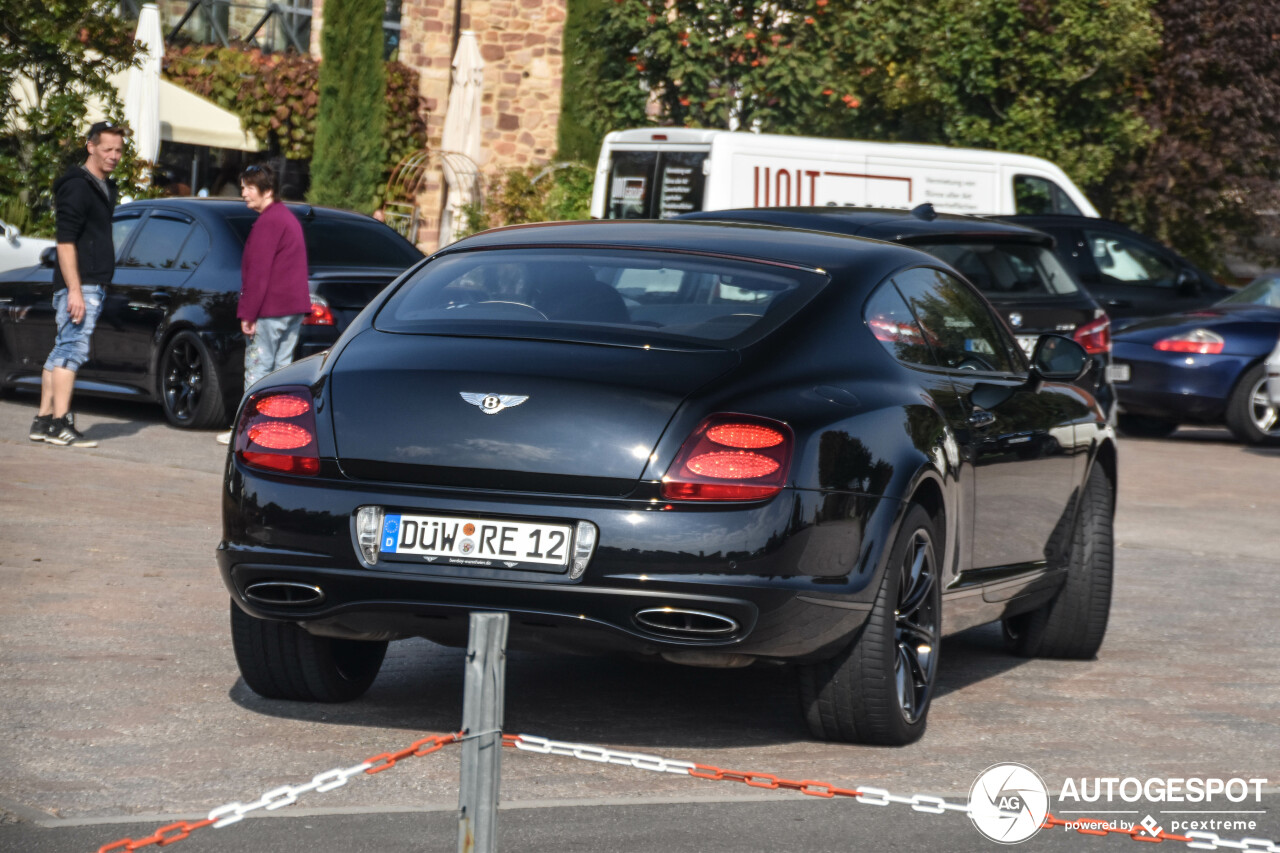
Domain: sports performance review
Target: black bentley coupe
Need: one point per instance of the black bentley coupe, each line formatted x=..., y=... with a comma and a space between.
x=713, y=443
x=168, y=330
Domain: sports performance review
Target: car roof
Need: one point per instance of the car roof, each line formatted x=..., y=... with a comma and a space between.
x=223, y=207
x=922, y=224
x=809, y=249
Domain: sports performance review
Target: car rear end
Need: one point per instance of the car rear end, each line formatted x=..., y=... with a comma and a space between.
x=488, y=438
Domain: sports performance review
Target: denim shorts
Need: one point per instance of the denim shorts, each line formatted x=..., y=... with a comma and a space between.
x=71, y=347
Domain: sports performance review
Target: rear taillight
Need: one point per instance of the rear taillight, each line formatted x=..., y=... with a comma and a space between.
x=1094, y=336
x=1198, y=341
x=320, y=314
x=277, y=432
x=731, y=458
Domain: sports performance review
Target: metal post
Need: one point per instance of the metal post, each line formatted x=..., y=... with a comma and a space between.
x=482, y=724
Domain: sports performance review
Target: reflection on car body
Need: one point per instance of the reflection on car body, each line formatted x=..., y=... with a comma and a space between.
x=733, y=443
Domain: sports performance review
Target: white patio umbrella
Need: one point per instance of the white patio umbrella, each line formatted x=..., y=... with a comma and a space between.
x=461, y=134
x=142, y=86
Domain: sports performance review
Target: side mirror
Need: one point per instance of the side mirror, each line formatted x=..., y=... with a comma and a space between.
x=1187, y=282
x=11, y=233
x=1058, y=359
x=49, y=257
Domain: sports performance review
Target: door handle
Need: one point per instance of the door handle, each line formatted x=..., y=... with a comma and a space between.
x=981, y=419
x=160, y=297
x=1118, y=303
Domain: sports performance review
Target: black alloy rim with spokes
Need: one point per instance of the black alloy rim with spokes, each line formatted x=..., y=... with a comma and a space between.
x=183, y=378
x=916, y=628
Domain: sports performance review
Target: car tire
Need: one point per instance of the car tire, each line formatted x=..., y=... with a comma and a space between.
x=878, y=689
x=190, y=390
x=280, y=660
x=1073, y=623
x=1250, y=415
x=1141, y=426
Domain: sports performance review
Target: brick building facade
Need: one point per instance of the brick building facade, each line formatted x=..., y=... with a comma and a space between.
x=520, y=41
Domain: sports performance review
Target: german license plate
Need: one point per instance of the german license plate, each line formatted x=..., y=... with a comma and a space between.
x=476, y=541
x=1028, y=343
x=1118, y=372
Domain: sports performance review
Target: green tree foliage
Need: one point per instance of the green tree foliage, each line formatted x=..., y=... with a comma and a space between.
x=62, y=53
x=1053, y=78
x=347, y=168
x=579, y=133
x=1207, y=181
x=531, y=194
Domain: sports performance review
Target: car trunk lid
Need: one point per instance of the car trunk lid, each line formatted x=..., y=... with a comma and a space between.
x=508, y=414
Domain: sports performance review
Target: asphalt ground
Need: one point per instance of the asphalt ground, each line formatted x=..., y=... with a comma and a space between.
x=123, y=710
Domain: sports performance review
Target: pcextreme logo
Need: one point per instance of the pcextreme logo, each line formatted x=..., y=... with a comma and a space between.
x=1008, y=802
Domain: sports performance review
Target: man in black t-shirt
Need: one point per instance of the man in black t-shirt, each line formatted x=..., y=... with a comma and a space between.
x=84, y=199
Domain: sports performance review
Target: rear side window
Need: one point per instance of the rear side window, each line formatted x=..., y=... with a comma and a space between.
x=158, y=243
x=999, y=269
x=598, y=294
x=894, y=326
x=958, y=325
x=345, y=242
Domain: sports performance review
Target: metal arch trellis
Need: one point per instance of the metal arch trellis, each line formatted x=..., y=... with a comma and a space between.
x=410, y=178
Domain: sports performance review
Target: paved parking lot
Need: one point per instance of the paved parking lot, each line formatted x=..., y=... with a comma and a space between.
x=120, y=699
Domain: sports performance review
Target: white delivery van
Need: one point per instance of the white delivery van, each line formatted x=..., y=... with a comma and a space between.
x=659, y=173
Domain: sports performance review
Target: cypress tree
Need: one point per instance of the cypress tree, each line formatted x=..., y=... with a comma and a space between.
x=350, y=147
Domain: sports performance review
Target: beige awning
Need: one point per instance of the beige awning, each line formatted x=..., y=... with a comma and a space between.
x=184, y=116
x=187, y=117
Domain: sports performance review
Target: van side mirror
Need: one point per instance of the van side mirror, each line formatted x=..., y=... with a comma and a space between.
x=1187, y=282
x=1058, y=359
x=49, y=257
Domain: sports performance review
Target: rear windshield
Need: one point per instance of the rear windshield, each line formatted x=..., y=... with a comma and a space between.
x=345, y=242
x=1014, y=269
x=625, y=296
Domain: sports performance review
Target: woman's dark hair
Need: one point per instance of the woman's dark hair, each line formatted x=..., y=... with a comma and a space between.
x=262, y=176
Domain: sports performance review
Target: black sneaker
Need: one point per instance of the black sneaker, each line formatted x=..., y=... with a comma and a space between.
x=40, y=426
x=63, y=434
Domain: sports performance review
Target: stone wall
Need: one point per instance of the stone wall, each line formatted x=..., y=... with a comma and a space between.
x=520, y=41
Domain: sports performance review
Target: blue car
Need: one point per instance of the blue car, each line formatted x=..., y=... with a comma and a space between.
x=1205, y=366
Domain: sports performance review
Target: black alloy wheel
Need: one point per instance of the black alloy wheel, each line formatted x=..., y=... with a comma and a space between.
x=190, y=391
x=878, y=690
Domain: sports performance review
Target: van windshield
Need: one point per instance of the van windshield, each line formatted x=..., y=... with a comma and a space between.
x=655, y=184
x=997, y=269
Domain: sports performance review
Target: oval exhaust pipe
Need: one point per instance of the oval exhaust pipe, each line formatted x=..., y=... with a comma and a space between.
x=682, y=623
x=284, y=593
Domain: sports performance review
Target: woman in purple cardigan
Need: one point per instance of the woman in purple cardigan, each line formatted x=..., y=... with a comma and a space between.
x=274, y=296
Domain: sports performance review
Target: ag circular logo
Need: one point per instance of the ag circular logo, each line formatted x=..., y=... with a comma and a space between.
x=1008, y=803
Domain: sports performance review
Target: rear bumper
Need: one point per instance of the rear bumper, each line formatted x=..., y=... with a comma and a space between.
x=794, y=576
x=1177, y=386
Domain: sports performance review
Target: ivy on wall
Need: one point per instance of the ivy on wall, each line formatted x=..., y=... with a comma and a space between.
x=276, y=96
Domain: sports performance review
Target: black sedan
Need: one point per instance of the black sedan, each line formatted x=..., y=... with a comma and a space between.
x=168, y=330
x=713, y=443
x=1132, y=275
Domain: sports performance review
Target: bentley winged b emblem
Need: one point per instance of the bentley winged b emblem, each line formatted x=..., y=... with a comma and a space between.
x=491, y=404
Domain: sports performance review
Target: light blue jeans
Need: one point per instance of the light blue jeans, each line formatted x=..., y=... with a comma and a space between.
x=71, y=346
x=271, y=347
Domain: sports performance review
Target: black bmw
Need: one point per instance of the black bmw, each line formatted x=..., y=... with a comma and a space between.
x=714, y=443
